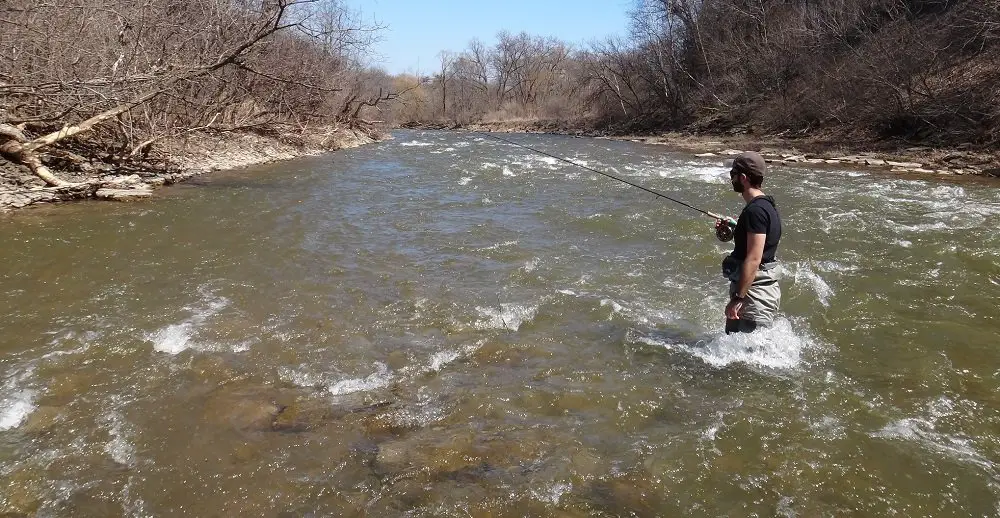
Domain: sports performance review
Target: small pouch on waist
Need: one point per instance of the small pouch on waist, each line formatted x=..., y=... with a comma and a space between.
x=731, y=267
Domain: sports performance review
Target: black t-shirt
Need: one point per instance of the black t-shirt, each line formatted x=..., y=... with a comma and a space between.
x=760, y=216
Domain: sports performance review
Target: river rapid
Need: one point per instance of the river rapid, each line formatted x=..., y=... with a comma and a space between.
x=446, y=325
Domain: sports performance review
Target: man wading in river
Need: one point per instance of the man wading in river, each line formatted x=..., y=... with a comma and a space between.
x=753, y=289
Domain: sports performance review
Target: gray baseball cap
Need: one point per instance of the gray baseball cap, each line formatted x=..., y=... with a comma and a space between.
x=749, y=163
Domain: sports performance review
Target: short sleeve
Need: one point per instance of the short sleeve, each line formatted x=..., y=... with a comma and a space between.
x=758, y=220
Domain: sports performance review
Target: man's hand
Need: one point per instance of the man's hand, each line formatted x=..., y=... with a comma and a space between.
x=734, y=310
x=730, y=222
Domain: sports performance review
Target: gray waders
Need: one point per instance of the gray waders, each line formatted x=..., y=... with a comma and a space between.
x=763, y=298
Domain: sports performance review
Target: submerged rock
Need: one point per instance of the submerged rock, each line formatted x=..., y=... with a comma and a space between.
x=630, y=494
x=245, y=409
x=302, y=415
x=279, y=409
x=23, y=492
x=42, y=420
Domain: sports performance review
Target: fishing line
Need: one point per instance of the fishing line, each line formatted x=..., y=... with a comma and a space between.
x=613, y=177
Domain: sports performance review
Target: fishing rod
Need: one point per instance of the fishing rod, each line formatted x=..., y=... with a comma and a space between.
x=728, y=220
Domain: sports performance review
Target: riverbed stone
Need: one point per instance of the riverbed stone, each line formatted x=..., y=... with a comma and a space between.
x=42, y=419
x=431, y=453
x=124, y=194
x=629, y=494
x=23, y=492
x=303, y=415
x=64, y=389
x=903, y=165
x=398, y=359
x=242, y=409
x=393, y=456
x=587, y=463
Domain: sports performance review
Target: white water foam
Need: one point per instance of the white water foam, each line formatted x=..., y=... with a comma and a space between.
x=378, y=379
x=498, y=246
x=697, y=173
x=711, y=433
x=828, y=427
x=535, y=161
x=382, y=376
x=805, y=275
x=638, y=313
x=778, y=347
x=552, y=494
x=834, y=266
x=425, y=410
x=175, y=338
x=920, y=227
x=552, y=161
x=465, y=180
x=947, y=191
x=946, y=207
x=531, y=265
x=415, y=143
x=508, y=172
x=119, y=448
x=16, y=401
x=77, y=350
x=923, y=431
x=299, y=378
x=15, y=408
x=444, y=358
x=172, y=339
x=852, y=218
x=507, y=316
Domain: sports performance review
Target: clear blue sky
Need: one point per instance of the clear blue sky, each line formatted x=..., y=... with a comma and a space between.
x=419, y=29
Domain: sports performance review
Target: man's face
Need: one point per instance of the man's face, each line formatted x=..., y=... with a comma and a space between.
x=737, y=183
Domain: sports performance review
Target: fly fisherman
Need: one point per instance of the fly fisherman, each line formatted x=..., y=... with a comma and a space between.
x=754, y=294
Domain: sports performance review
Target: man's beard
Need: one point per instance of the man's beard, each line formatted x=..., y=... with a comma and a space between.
x=738, y=186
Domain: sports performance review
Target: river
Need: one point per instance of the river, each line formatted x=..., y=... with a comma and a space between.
x=446, y=325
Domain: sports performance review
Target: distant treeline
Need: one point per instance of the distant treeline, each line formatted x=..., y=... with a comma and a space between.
x=918, y=70
x=114, y=77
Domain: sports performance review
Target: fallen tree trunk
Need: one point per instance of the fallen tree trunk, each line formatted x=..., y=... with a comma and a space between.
x=14, y=147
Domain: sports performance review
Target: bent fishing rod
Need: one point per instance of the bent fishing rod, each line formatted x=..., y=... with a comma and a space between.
x=613, y=177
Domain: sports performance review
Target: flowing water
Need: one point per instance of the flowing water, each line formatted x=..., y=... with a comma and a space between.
x=445, y=325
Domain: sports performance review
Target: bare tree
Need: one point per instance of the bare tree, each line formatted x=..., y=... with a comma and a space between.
x=139, y=72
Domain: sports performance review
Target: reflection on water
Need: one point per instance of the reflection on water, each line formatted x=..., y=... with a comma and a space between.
x=444, y=325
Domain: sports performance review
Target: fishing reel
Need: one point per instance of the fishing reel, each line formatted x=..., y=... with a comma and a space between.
x=724, y=229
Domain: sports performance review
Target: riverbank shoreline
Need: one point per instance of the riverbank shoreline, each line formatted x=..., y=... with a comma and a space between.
x=176, y=161
x=889, y=157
